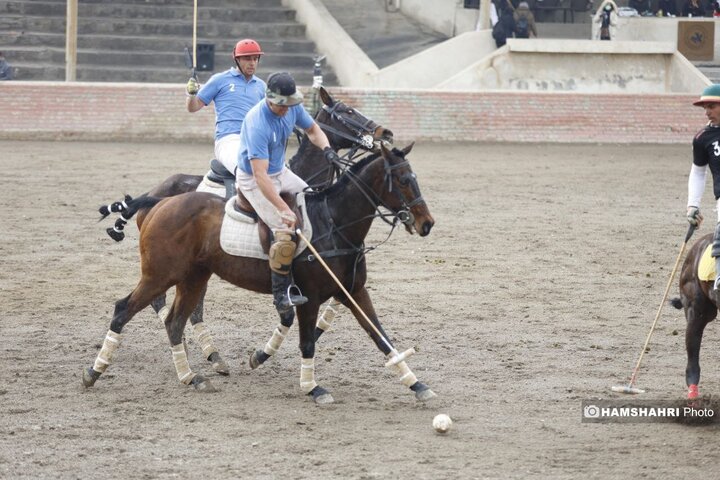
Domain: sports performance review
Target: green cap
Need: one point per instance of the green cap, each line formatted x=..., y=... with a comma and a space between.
x=711, y=94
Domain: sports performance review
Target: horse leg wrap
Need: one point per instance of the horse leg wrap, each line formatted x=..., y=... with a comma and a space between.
x=104, y=358
x=203, y=337
x=182, y=366
x=407, y=377
x=307, y=375
x=163, y=313
x=278, y=336
x=325, y=321
x=281, y=252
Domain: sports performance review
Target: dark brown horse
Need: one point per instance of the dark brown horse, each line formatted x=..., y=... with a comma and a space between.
x=700, y=303
x=179, y=246
x=345, y=127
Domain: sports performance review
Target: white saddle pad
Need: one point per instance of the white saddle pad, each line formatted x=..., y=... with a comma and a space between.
x=211, y=187
x=239, y=233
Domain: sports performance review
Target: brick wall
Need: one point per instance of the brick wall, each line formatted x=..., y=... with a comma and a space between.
x=101, y=111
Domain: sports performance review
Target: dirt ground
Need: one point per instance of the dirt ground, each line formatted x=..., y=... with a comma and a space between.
x=534, y=291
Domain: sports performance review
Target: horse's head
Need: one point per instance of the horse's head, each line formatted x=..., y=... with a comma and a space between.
x=346, y=127
x=402, y=194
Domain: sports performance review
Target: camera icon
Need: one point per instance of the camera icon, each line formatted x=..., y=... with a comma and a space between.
x=591, y=411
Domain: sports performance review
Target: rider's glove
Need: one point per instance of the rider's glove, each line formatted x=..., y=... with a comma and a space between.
x=192, y=86
x=694, y=216
x=330, y=155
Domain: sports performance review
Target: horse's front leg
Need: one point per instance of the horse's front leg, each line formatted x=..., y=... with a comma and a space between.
x=307, y=318
x=401, y=369
x=260, y=356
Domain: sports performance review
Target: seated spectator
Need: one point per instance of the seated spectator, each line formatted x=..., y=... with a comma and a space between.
x=524, y=21
x=716, y=8
x=6, y=71
x=693, y=8
x=667, y=8
x=642, y=6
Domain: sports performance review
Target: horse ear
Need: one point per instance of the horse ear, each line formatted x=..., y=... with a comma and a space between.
x=384, y=150
x=326, y=98
x=407, y=149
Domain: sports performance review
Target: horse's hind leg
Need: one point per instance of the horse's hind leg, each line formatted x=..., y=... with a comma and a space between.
x=187, y=295
x=401, y=369
x=697, y=319
x=202, y=335
x=125, y=309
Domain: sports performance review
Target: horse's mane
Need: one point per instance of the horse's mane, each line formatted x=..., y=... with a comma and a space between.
x=344, y=179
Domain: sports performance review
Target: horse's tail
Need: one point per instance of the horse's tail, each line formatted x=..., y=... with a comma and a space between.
x=127, y=209
x=676, y=302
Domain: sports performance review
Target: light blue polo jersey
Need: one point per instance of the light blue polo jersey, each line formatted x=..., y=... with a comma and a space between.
x=234, y=96
x=264, y=135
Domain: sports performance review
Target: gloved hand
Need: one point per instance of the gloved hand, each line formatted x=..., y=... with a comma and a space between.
x=331, y=156
x=694, y=216
x=192, y=86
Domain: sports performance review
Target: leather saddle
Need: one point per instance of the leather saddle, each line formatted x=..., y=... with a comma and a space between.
x=242, y=206
x=219, y=174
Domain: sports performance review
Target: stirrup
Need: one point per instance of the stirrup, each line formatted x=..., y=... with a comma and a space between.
x=295, y=296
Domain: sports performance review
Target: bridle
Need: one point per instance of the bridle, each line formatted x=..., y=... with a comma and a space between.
x=361, y=130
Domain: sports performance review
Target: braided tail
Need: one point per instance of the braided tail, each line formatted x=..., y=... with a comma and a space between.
x=127, y=209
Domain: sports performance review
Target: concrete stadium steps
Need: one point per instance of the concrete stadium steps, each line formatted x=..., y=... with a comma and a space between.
x=144, y=40
x=710, y=70
x=580, y=31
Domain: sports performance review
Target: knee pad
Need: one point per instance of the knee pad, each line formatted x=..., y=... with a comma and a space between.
x=716, y=242
x=281, y=252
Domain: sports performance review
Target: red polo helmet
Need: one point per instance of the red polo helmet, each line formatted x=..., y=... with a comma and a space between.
x=247, y=47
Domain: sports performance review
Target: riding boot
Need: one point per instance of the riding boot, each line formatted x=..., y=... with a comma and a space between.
x=285, y=294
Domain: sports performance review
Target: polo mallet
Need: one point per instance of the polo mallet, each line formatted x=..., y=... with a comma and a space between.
x=397, y=357
x=191, y=61
x=630, y=387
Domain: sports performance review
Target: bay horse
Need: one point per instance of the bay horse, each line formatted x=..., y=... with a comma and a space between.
x=345, y=127
x=700, y=303
x=180, y=246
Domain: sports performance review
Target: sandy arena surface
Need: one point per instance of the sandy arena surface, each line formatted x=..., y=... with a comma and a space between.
x=535, y=291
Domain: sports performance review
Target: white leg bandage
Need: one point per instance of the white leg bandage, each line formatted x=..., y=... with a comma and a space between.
x=203, y=337
x=407, y=377
x=104, y=358
x=182, y=366
x=307, y=375
x=272, y=346
x=325, y=321
x=163, y=313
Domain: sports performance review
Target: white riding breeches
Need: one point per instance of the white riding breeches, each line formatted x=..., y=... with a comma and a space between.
x=717, y=208
x=227, y=150
x=284, y=181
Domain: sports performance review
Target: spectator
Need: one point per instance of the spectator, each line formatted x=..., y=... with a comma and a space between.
x=716, y=8
x=505, y=27
x=693, y=8
x=642, y=6
x=667, y=8
x=524, y=21
x=6, y=71
x=606, y=16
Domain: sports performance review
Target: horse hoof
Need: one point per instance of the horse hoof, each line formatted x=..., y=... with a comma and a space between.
x=693, y=392
x=422, y=391
x=321, y=396
x=202, y=384
x=218, y=364
x=89, y=377
x=258, y=358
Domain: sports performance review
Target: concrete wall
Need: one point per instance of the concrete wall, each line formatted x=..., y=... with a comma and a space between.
x=431, y=67
x=445, y=16
x=581, y=66
x=100, y=111
x=654, y=29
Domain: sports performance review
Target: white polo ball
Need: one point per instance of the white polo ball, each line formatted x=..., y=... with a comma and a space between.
x=442, y=423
